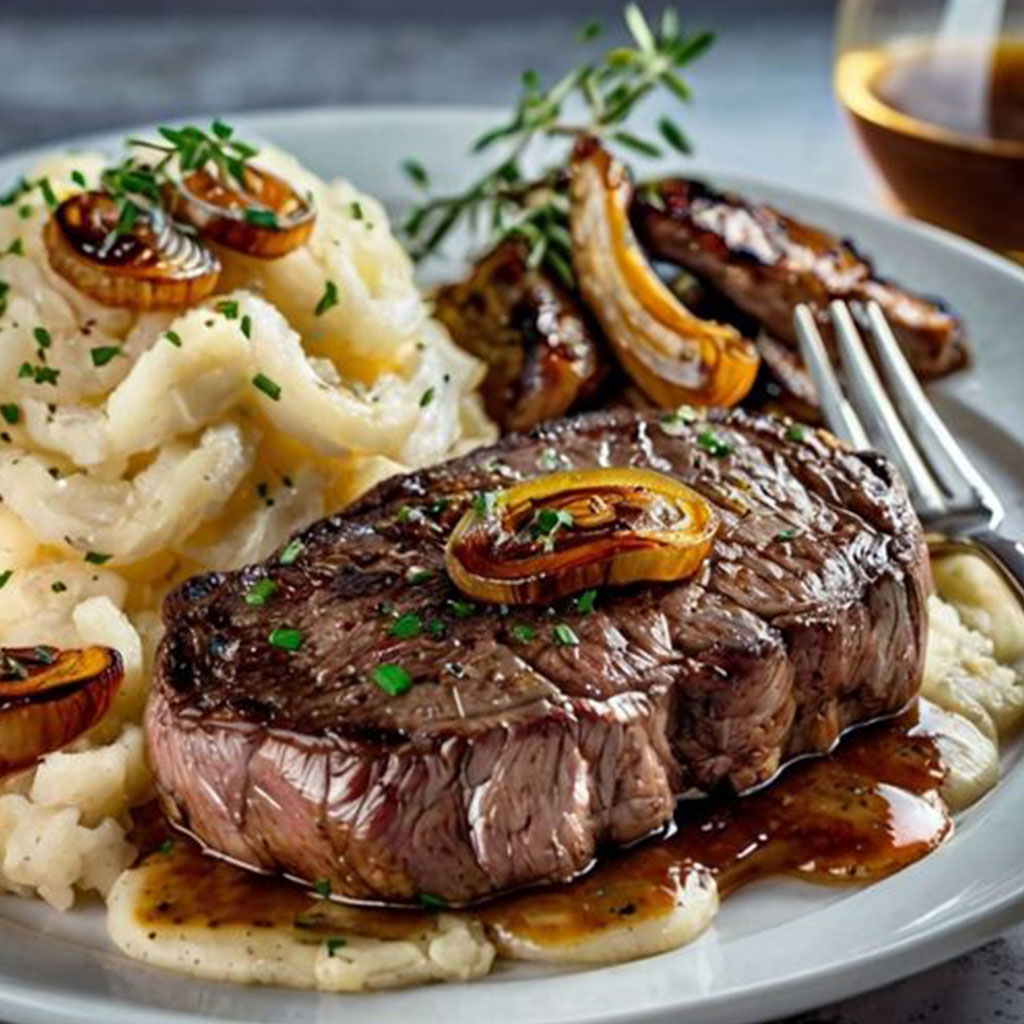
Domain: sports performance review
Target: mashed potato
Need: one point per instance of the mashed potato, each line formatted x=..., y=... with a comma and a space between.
x=118, y=480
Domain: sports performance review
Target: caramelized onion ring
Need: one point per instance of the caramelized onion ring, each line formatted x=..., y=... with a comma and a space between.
x=558, y=534
x=152, y=266
x=673, y=356
x=48, y=697
x=231, y=216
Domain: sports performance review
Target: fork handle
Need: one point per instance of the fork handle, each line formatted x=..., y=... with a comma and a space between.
x=1008, y=553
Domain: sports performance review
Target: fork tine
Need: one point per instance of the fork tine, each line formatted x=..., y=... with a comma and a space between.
x=839, y=414
x=948, y=460
x=873, y=404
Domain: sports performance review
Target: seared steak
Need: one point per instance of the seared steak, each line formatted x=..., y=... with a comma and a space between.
x=514, y=756
x=767, y=263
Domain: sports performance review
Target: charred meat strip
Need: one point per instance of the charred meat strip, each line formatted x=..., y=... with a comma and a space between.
x=540, y=347
x=766, y=263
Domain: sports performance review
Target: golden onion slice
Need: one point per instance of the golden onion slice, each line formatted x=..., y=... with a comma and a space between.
x=673, y=356
x=266, y=218
x=48, y=697
x=150, y=265
x=565, y=532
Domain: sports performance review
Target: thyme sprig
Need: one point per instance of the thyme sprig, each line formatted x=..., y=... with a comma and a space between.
x=136, y=183
x=605, y=92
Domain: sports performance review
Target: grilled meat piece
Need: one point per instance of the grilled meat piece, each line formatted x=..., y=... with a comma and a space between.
x=767, y=263
x=539, y=344
x=514, y=756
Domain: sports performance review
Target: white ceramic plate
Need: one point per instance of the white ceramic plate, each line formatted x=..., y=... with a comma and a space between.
x=776, y=948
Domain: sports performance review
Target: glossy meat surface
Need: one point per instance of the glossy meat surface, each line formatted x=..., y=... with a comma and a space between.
x=514, y=757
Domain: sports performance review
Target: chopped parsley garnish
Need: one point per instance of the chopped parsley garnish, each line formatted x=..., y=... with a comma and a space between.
x=438, y=506
x=10, y=412
x=78, y=178
x=260, y=592
x=39, y=374
x=565, y=635
x=322, y=887
x=674, y=421
x=406, y=626
x=165, y=847
x=426, y=398
x=418, y=576
x=333, y=945
x=261, y=218
x=246, y=325
x=785, y=535
x=174, y=338
x=104, y=353
x=287, y=638
x=551, y=459
x=291, y=552
x=42, y=336
x=58, y=586
x=436, y=629
x=392, y=679
x=484, y=502
x=430, y=902
x=97, y=558
x=16, y=248
x=47, y=192
x=356, y=210
x=5, y=576
x=461, y=609
x=796, y=432
x=714, y=445
x=585, y=602
x=328, y=299
x=523, y=633
x=229, y=307
x=547, y=522
x=269, y=387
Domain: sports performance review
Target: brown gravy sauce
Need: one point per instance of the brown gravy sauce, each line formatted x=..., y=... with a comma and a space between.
x=859, y=814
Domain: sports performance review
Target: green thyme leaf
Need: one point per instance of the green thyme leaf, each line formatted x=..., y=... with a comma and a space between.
x=287, y=638
x=392, y=679
x=328, y=300
x=564, y=635
x=291, y=552
x=104, y=354
x=269, y=387
x=260, y=592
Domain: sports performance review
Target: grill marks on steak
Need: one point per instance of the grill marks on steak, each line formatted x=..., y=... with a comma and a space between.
x=511, y=762
x=767, y=263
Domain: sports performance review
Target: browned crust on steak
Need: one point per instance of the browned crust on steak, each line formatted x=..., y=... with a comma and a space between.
x=511, y=762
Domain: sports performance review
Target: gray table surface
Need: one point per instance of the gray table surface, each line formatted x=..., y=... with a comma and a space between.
x=764, y=107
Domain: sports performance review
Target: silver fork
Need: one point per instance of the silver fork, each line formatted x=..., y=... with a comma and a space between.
x=956, y=505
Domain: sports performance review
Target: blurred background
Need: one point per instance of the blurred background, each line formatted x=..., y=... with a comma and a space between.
x=73, y=66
